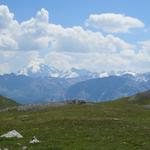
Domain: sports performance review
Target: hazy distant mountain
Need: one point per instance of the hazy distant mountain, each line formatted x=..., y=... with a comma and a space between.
x=108, y=88
x=35, y=69
x=26, y=89
x=37, y=83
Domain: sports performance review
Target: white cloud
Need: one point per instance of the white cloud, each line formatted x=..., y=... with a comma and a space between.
x=38, y=40
x=8, y=28
x=60, y=60
x=76, y=39
x=7, y=42
x=43, y=16
x=17, y=59
x=6, y=18
x=4, y=68
x=33, y=33
x=145, y=46
x=38, y=34
x=114, y=23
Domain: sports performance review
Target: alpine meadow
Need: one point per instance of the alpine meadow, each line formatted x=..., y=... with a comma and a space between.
x=74, y=75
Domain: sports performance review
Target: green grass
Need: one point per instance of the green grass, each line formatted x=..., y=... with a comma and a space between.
x=118, y=125
x=5, y=102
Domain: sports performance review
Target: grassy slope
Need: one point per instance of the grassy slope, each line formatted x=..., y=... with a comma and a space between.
x=118, y=125
x=5, y=102
x=141, y=98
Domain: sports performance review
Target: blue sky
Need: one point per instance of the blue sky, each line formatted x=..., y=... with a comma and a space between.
x=69, y=12
x=65, y=28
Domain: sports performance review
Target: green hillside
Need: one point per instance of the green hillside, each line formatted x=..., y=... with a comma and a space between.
x=141, y=98
x=118, y=125
x=5, y=102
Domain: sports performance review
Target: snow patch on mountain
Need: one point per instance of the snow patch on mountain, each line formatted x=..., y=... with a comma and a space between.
x=129, y=73
x=37, y=69
x=104, y=75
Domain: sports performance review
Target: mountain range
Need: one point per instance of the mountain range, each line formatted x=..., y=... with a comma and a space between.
x=39, y=83
x=36, y=69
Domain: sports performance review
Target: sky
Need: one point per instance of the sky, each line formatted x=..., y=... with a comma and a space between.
x=96, y=35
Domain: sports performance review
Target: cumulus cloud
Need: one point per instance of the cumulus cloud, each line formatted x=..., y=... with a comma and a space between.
x=33, y=33
x=38, y=34
x=76, y=39
x=40, y=41
x=8, y=28
x=43, y=16
x=6, y=18
x=114, y=23
x=145, y=46
x=7, y=42
x=60, y=60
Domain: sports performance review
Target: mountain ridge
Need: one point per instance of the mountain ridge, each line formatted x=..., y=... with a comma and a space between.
x=39, y=87
x=6, y=102
x=37, y=69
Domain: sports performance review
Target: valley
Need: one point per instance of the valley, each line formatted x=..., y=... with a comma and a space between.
x=36, y=84
x=121, y=125
x=74, y=75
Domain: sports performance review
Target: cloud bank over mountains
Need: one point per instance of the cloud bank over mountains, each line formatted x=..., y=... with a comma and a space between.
x=39, y=40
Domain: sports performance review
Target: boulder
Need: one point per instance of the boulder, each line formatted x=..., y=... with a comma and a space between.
x=24, y=147
x=12, y=134
x=34, y=140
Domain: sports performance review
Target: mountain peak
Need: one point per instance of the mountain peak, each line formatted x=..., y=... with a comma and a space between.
x=36, y=69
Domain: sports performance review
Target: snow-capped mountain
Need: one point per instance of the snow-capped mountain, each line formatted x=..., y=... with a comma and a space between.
x=27, y=87
x=35, y=69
